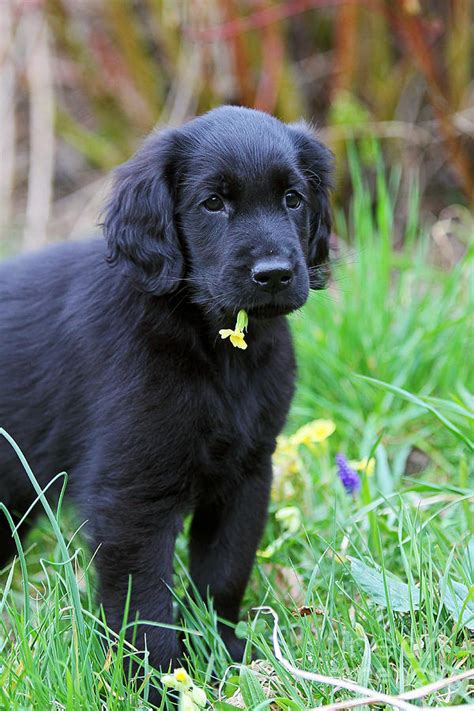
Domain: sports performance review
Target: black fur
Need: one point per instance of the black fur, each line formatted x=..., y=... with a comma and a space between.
x=111, y=366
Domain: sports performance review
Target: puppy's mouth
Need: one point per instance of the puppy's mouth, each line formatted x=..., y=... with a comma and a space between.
x=265, y=308
x=271, y=310
x=259, y=306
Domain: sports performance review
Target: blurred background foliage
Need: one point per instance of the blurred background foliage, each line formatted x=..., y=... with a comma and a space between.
x=82, y=81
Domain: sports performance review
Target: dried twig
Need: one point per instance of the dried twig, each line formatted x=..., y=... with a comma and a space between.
x=182, y=100
x=368, y=696
x=7, y=104
x=412, y=29
x=260, y=18
x=273, y=51
x=414, y=694
x=40, y=83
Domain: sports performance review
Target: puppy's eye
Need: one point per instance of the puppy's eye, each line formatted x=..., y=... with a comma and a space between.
x=213, y=203
x=292, y=199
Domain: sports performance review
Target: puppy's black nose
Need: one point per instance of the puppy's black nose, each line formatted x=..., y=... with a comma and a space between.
x=272, y=274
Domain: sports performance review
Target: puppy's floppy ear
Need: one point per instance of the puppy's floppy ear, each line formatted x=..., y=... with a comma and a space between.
x=316, y=162
x=139, y=221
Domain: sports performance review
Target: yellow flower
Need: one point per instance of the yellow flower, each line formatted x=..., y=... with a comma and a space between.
x=237, y=338
x=286, y=468
x=289, y=518
x=271, y=549
x=181, y=675
x=284, y=447
x=179, y=679
x=315, y=431
x=286, y=458
x=191, y=697
x=363, y=465
x=236, y=335
x=192, y=701
x=198, y=695
x=186, y=703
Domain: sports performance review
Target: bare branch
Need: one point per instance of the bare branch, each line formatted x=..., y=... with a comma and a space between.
x=369, y=696
x=7, y=104
x=40, y=83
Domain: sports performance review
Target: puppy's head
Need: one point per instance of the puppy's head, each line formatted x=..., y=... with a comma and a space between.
x=233, y=205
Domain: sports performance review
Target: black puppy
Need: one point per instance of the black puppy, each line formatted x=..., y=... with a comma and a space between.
x=112, y=368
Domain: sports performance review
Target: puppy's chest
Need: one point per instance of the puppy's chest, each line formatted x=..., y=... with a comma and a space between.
x=229, y=413
x=234, y=419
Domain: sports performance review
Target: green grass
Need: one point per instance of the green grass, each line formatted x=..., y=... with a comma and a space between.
x=377, y=588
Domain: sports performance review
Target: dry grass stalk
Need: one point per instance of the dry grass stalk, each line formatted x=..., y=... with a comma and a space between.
x=41, y=128
x=7, y=104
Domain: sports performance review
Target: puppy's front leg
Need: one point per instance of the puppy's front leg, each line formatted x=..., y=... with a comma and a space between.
x=146, y=557
x=224, y=538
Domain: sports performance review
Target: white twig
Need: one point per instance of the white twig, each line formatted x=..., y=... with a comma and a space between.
x=413, y=694
x=429, y=688
x=369, y=696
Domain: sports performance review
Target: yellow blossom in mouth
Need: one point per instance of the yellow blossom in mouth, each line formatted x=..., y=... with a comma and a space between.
x=236, y=335
x=363, y=465
x=313, y=432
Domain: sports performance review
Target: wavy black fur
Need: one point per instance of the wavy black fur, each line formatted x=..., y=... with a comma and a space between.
x=111, y=367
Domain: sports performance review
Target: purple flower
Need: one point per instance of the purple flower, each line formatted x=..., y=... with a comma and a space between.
x=349, y=477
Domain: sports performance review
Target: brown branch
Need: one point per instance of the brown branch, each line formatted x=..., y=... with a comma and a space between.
x=273, y=52
x=412, y=30
x=239, y=53
x=345, y=51
x=261, y=18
